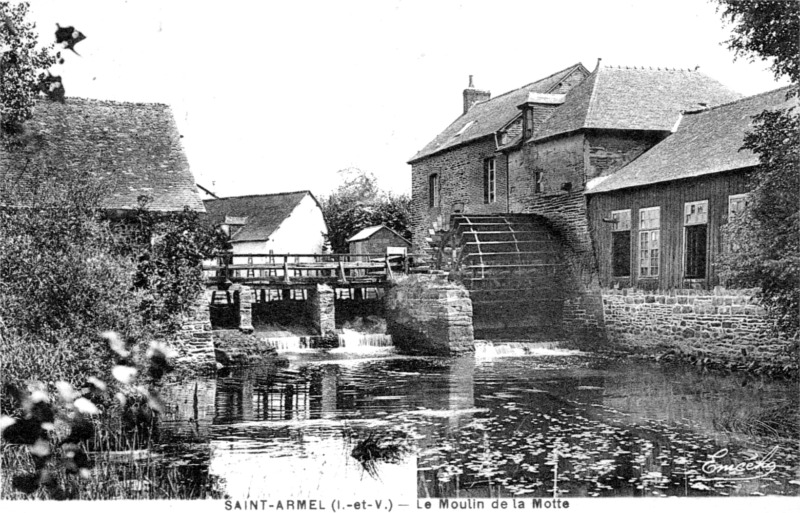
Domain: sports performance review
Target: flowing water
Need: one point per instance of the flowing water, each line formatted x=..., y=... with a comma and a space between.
x=363, y=422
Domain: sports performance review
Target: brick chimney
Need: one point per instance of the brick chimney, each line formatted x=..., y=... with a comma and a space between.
x=473, y=96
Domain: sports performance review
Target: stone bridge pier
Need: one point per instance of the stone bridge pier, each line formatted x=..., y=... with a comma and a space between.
x=237, y=302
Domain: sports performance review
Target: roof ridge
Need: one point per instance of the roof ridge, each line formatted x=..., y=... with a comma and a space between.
x=260, y=195
x=771, y=91
x=531, y=83
x=648, y=68
x=98, y=100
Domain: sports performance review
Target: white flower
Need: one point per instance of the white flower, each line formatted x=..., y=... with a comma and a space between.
x=6, y=421
x=123, y=374
x=159, y=348
x=39, y=396
x=66, y=391
x=116, y=344
x=100, y=385
x=40, y=448
x=86, y=406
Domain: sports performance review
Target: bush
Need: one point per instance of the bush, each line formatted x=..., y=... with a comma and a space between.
x=62, y=282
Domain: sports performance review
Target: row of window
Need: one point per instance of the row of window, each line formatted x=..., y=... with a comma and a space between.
x=489, y=184
x=695, y=238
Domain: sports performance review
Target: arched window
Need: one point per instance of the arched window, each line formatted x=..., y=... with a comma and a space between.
x=434, y=199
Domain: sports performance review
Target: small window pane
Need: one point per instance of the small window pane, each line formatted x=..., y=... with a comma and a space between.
x=695, y=212
x=622, y=220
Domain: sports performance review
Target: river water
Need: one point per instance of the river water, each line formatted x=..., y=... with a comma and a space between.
x=556, y=423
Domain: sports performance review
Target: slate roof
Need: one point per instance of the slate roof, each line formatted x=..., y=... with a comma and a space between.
x=487, y=117
x=133, y=148
x=626, y=98
x=705, y=142
x=369, y=231
x=264, y=212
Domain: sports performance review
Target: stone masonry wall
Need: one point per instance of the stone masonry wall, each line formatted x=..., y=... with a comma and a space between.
x=193, y=342
x=719, y=324
x=429, y=315
x=321, y=309
x=460, y=173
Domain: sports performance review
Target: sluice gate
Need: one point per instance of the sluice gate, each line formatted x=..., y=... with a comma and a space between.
x=513, y=267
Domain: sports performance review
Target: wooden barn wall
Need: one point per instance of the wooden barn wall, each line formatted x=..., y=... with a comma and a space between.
x=670, y=197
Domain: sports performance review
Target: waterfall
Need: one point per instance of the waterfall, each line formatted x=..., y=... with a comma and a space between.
x=352, y=339
x=488, y=349
x=287, y=343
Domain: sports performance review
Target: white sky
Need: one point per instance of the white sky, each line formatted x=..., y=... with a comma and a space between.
x=277, y=96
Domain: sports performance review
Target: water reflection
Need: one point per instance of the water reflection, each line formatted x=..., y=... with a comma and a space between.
x=573, y=425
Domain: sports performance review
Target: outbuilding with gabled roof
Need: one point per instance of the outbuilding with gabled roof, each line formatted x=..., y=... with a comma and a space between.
x=287, y=222
x=378, y=239
x=657, y=223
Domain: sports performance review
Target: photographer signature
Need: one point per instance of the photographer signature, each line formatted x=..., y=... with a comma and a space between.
x=759, y=466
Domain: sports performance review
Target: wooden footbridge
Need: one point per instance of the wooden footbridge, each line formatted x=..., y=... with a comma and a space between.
x=304, y=271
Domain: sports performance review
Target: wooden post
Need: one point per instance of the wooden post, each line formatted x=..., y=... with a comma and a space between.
x=286, y=269
x=389, y=275
x=342, y=274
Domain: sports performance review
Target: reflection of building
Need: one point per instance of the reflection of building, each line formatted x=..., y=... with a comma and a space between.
x=189, y=406
x=307, y=462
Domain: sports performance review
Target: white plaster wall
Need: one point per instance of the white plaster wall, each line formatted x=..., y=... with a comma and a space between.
x=302, y=232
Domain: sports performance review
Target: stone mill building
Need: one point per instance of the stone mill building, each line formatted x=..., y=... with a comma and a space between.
x=553, y=201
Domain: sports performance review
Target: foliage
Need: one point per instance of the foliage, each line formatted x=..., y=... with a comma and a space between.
x=61, y=445
x=767, y=235
x=62, y=283
x=768, y=29
x=22, y=65
x=171, y=248
x=766, y=252
x=68, y=274
x=358, y=203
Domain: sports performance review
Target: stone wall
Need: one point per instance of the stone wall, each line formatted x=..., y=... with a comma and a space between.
x=609, y=151
x=193, y=342
x=320, y=306
x=719, y=323
x=426, y=314
x=234, y=348
x=460, y=173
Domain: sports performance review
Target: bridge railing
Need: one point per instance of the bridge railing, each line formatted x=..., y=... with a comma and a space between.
x=298, y=268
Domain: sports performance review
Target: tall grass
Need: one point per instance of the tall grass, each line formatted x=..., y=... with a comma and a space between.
x=115, y=475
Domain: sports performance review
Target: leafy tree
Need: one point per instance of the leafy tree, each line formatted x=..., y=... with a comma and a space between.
x=767, y=29
x=766, y=252
x=23, y=66
x=766, y=248
x=357, y=203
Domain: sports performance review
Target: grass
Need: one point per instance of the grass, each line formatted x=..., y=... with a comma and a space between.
x=114, y=475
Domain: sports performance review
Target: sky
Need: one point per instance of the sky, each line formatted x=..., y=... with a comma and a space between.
x=278, y=96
